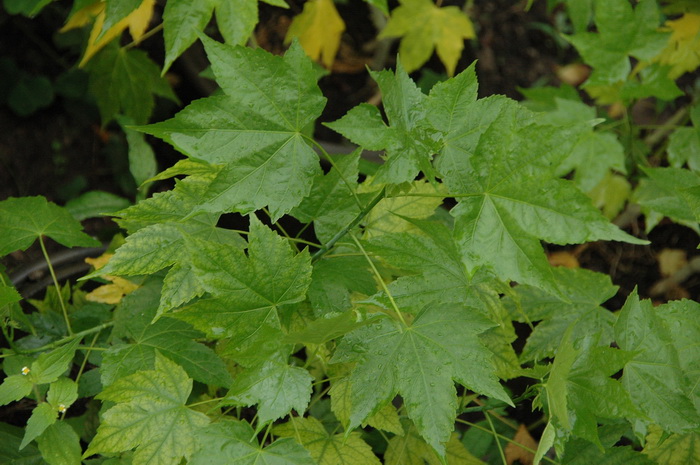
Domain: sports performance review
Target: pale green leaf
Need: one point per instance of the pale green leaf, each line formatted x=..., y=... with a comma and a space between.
x=230, y=442
x=150, y=415
x=254, y=131
x=60, y=445
x=62, y=393
x=420, y=362
x=325, y=448
x=25, y=219
x=654, y=377
x=14, y=388
x=676, y=449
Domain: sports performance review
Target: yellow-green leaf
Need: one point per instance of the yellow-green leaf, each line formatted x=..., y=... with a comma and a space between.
x=319, y=28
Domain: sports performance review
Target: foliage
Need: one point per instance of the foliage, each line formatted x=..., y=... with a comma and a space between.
x=361, y=316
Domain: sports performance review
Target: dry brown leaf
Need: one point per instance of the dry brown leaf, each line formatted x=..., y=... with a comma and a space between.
x=515, y=452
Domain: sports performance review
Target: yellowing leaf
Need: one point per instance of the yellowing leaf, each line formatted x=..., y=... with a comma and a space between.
x=137, y=23
x=683, y=50
x=424, y=27
x=318, y=29
x=109, y=293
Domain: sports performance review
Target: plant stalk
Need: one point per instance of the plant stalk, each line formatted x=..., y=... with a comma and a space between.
x=55, y=283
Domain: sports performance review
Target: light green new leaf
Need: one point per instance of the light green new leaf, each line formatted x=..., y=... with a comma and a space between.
x=124, y=81
x=580, y=388
x=231, y=442
x=622, y=32
x=655, y=378
x=247, y=291
x=585, y=290
x=676, y=449
x=172, y=338
x=150, y=415
x=671, y=192
x=420, y=362
x=60, y=445
x=275, y=386
x=255, y=131
x=325, y=448
x=425, y=27
x=408, y=141
x=24, y=219
x=43, y=416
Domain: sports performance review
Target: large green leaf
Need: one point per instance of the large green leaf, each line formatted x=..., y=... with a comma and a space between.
x=676, y=449
x=408, y=141
x=622, y=32
x=150, y=415
x=231, y=442
x=248, y=290
x=656, y=376
x=10, y=453
x=420, y=362
x=325, y=448
x=24, y=219
x=60, y=445
x=255, y=131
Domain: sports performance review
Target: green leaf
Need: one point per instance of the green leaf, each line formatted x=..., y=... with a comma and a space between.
x=50, y=365
x=236, y=20
x=60, y=445
x=232, y=442
x=14, y=388
x=676, y=449
x=329, y=326
x=150, y=415
x=275, y=386
x=622, y=32
x=672, y=192
x=255, y=131
x=654, y=377
x=62, y=393
x=586, y=292
x=93, y=204
x=386, y=419
x=24, y=219
x=124, y=81
x=8, y=295
x=142, y=160
x=170, y=337
x=411, y=449
x=581, y=452
x=183, y=21
x=43, y=416
x=325, y=448
x=425, y=27
x=408, y=141
x=420, y=362
x=10, y=453
x=248, y=291
x=580, y=389
x=331, y=285
x=116, y=10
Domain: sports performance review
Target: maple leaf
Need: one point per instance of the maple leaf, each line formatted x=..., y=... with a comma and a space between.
x=25, y=219
x=676, y=449
x=260, y=147
x=318, y=28
x=419, y=362
x=150, y=415
x=671, y=192
x=683, y=50
x=500, y=163
x=233, y=442
x=424, y=27
x=325, y=448
x=408, y=141
x=622, y=32
x=684, y=143
x=411, y=449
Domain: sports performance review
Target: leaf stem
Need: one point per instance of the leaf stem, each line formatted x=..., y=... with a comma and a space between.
x=381, y=281
x=498, y=443
x=147, y=35
x=55, y=283
x=66, y=339
x=505, y=438
x=328, y=245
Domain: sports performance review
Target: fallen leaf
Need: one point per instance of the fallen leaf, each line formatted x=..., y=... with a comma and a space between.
x=109, y=293
x=671, y=260
x=514, y=451
x=318, y=28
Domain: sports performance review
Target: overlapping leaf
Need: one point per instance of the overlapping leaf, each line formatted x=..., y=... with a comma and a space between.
x=671, y=192
x=318, y=28
x=150, y=415
x=255, y=131
x=408, y=141
x=420, y=362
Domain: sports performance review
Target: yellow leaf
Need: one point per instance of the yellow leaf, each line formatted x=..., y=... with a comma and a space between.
x=424, y=28
x=318, y=29
x=137, y=22
x=83, y=16
x=683, y=50
x=109, y=293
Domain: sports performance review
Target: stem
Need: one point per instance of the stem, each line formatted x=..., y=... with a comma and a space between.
x=147, y=35
x=66, y=339
x=55, y=283
x=328, y=245
x=381, y=281
x=505, y=438
x=498, y=443
x=668, y=126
